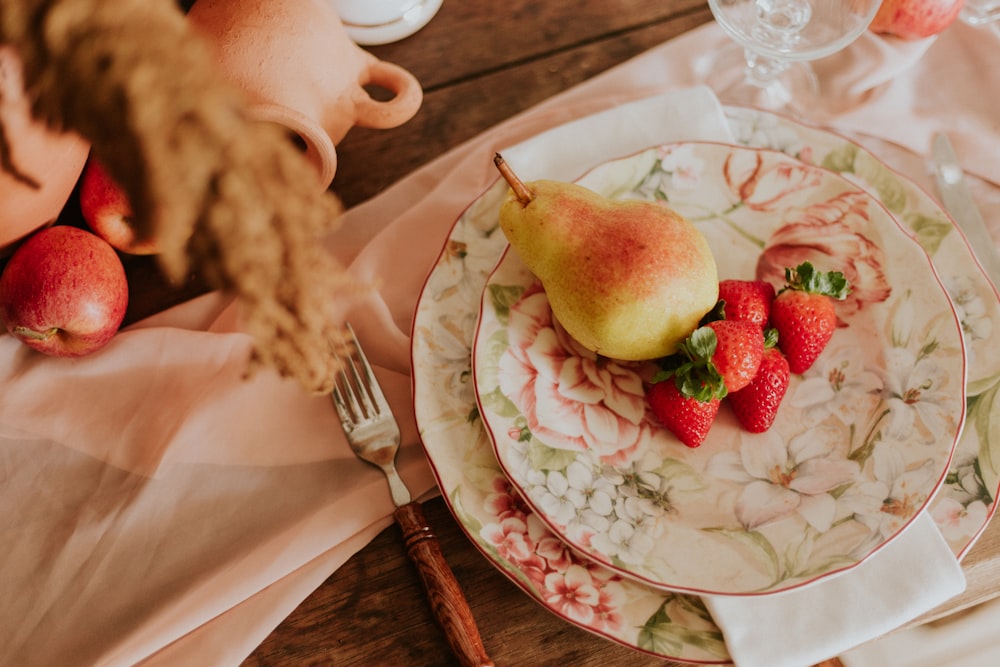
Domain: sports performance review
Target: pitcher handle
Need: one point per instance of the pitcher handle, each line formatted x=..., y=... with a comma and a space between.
x=385, y=114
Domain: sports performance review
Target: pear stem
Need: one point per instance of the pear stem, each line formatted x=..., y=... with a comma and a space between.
x=521, y=191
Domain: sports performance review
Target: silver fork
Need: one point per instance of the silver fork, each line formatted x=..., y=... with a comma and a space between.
x=373, y=434
x=368, y=422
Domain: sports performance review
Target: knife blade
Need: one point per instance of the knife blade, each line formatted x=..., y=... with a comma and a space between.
x=959, y=203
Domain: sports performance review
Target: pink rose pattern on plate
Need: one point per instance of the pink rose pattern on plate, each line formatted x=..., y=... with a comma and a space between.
x=571, y=399
x=825, y=235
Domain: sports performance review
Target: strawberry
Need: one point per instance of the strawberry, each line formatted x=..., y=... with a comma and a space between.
x=803, y=313
x=686, y=417
x=717, y=358
x=747, y=300
x=738, y=351
x=756, y=405
x=685, y=395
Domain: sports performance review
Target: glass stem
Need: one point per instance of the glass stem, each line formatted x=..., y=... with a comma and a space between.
x=763, y=74
x=763, y=71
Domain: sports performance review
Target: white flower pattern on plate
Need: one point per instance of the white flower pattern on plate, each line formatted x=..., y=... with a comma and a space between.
x=887, y=503
x=917, y=393
x=780, y=478
x=957, y=521
x=835, y=384
x=972, y=309
x=682, y=166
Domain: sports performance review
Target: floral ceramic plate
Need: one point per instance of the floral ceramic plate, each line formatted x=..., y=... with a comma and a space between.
x=573, y=433
x=668, y=624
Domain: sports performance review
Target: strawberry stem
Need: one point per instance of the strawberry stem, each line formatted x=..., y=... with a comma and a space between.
x=770, y=337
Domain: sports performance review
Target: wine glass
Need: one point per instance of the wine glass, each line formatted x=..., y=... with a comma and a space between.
x=776, y=39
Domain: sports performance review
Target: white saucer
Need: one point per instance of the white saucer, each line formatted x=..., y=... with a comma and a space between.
x=370, y=32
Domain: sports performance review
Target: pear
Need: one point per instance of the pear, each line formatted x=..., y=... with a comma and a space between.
x=627, y=279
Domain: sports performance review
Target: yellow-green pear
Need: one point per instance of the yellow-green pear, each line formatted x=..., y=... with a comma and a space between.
x=627, y=279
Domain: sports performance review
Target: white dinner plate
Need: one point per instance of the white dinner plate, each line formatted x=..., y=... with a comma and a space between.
x=668, y=624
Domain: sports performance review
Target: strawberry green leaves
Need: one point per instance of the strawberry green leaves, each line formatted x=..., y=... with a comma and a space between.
x=806, y=278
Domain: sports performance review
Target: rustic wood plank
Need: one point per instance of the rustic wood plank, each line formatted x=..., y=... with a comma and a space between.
x=467, y=39
x=392, y=622
x=371, y=160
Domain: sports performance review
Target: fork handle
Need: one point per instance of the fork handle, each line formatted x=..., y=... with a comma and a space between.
x=447, y=601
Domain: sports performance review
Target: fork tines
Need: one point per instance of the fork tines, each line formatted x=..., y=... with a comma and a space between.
x=356, y=393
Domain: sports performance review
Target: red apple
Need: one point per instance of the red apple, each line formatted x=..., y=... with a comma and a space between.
x=108, y=212
x=63, y=292
x=915, y=19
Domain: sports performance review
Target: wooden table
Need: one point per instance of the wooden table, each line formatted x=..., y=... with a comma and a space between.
x=480, y=62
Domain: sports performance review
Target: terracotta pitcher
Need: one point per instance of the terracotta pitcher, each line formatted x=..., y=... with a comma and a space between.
x=299, y=68
x=53, y=160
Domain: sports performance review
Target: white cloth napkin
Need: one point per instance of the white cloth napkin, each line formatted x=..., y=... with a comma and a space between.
x=910, y=575
x=567, y=151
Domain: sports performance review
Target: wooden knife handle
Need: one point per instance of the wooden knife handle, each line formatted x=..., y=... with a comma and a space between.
x=445, y=595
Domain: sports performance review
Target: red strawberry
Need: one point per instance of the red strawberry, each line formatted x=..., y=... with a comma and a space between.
x=738, y=350
x=747, y=300
x=756, y=405
x=686, y=417
x=717, y=358
x=804, y=314
x=685, y=395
